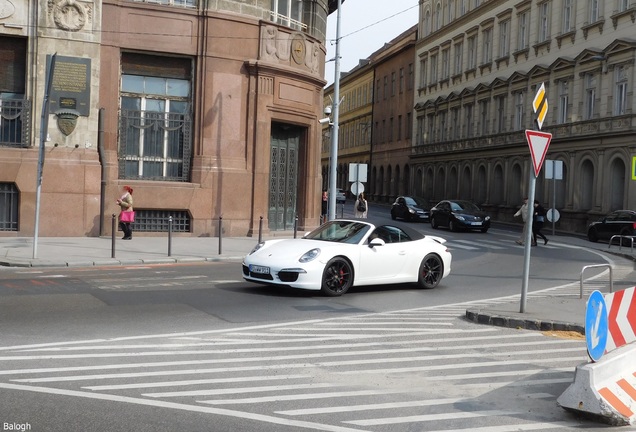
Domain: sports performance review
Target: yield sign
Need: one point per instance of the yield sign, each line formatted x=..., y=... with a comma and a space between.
x=538, y=143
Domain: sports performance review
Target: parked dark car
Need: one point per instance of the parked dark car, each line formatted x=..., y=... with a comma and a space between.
x=410, y=209
x=619, y=222
x=459, y=214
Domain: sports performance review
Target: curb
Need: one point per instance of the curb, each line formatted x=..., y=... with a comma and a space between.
x=480, y=317
x=26, y=263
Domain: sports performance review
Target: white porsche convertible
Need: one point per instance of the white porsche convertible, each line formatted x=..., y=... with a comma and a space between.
x=345, y=253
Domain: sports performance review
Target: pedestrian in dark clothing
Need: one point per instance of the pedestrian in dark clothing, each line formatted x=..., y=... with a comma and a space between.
x=324, y=205
x=537, y=223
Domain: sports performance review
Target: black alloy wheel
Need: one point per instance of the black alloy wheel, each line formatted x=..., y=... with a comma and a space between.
x=431, y=271
x=337, y=277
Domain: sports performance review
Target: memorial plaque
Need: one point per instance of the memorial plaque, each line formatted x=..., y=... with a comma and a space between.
x=71, y=85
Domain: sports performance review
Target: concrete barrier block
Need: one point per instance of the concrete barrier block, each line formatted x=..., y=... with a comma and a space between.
x=605, y=390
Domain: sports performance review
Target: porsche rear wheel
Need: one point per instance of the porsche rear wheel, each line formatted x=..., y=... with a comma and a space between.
x=431, y=271
x=337, y=277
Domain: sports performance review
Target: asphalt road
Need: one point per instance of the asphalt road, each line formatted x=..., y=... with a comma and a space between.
x=195, y=348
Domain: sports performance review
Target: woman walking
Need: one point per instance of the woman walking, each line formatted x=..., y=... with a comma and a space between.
x=126, y=215
x=537, y=223
x=361, y=208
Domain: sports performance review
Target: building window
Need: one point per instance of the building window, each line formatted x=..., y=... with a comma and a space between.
x=567, y=16
x=288, y=13
x=411, y=77
x=623, y=5
x=501, y=114
x=391, y=126
x=562, y=113
x=519, y=111
x=393, y=84
x=593, y=15
x=9, y=205
x=433, y=74
x=468, y=120
x=438, y=17
x=454, y=130
x=463, y=7
x=590, y=96
x=401, y=80
x=544, y=22
x=522, y=42
x=442, y=126
x=408, y=126
x=155, y=122
x=377, y=90
x=459, y=54
x=451, y=11
x=445, y=64
x=504, y=38
x=620, y=105
x=399, y=128
x=423, y=67
x=427, y=23
x=430, y=126
x=487, y=53
x=483, y=117
x=386, y=87
x=15, y=110
x=157, y=220
x=472, y=52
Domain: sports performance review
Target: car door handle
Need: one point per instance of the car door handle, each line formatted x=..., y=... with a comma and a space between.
x=402, y=252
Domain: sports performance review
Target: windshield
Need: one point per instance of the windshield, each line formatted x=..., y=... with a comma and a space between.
x=339, y=231
x=415, y=202
x=464, y=205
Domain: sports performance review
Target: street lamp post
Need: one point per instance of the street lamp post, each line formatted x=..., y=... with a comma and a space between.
x=333, y=156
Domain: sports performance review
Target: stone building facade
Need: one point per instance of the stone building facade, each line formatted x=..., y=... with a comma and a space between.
x=479, y=65
x=208, y=110
x=376, y=119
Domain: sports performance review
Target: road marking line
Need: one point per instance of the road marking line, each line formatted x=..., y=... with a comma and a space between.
x=240, y=390
x=369, y=407
x=433, y=417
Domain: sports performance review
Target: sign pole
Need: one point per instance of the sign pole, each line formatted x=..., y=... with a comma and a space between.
x=527, y=242
x=44, y=127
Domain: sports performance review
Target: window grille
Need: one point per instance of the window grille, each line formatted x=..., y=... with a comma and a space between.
x=9, y=197
x=147, y=220
x=14, y=122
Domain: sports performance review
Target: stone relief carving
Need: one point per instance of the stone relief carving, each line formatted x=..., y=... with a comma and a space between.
x=289, y=48
x=6, y=9
x=69, y=15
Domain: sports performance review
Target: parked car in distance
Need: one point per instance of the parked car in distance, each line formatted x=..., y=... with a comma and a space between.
x=618, y=222
x=341, y=198
x=410, y=209
x=459, y=214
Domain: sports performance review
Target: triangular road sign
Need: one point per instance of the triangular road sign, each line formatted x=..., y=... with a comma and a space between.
x=538, y=143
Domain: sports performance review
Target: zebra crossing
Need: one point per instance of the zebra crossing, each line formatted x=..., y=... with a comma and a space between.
x=418, y=369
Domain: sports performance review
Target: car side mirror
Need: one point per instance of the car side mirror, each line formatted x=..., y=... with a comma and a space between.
x=376, y=242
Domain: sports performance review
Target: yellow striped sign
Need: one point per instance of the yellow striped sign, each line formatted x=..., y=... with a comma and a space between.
x=540, y=104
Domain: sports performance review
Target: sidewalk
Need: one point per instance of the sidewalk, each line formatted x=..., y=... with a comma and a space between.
x=98, y=251
x=553, y=312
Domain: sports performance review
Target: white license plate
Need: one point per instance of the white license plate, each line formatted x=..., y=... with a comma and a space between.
x=476, y=223
x=259, y=269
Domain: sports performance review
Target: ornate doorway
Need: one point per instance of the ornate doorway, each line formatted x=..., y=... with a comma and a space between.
x=283, y=178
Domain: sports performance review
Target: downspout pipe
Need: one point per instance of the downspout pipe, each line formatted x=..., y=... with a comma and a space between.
x=102, y=163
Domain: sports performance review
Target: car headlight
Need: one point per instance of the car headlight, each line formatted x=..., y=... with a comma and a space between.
x=487, y=218
x=411, y=210
x=460, y=217
x=257, y=247
x=309, y=256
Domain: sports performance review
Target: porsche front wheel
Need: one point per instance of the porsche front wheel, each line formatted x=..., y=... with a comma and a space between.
x=431, y=271
x=337, y=277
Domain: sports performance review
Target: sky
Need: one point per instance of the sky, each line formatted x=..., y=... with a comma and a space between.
x=365, y=26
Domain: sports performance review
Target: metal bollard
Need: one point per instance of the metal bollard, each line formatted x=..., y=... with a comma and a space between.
x=220, y=234
x=114, y=233
x=169, y=235
x=341, y=211
x=260, y=230
x=295, y=225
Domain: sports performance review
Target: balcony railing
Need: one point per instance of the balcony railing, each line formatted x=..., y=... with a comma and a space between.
x=603, y=126
x=178, y=3
x=287, y=21
x=15, y=115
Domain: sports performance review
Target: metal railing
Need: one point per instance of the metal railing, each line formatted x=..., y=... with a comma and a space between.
x=620, y=243
x=611, y=280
